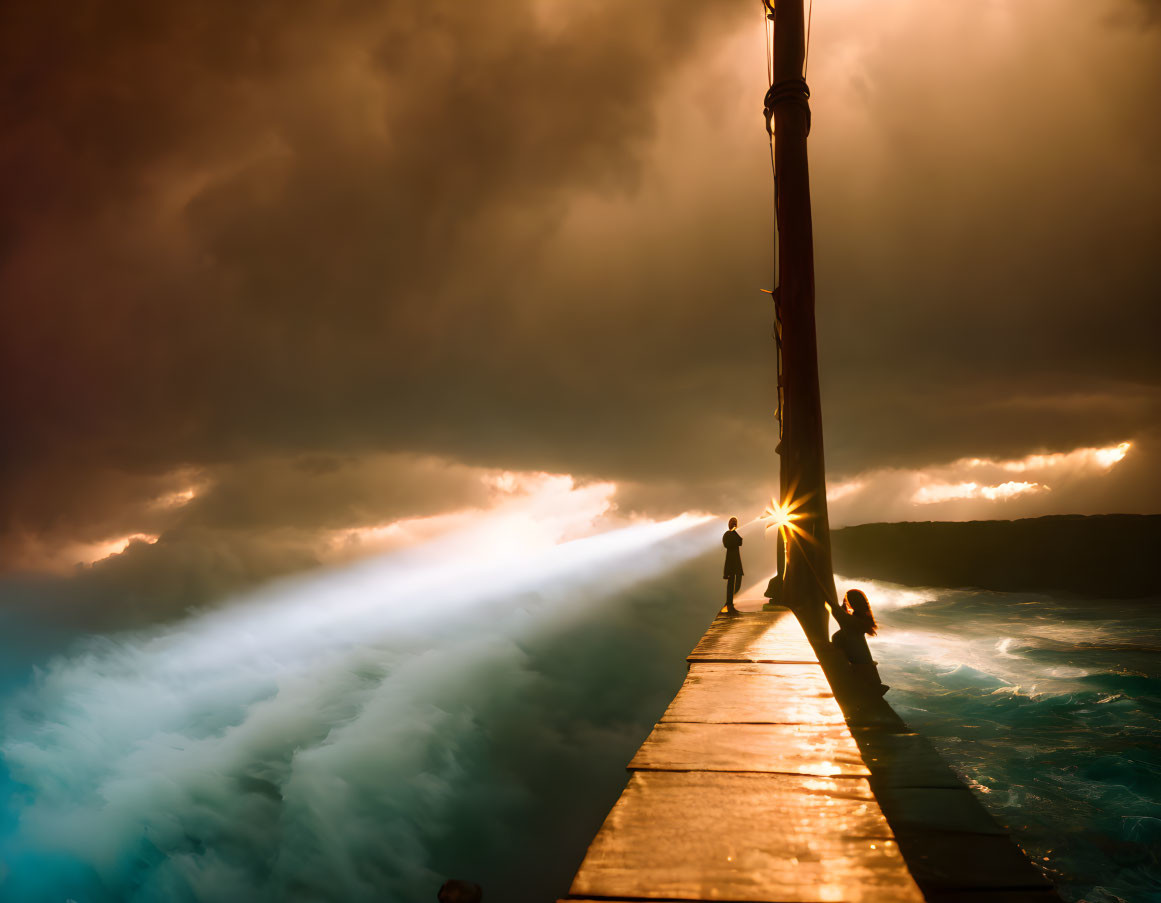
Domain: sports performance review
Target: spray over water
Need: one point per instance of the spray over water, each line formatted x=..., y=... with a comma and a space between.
x=360, y=733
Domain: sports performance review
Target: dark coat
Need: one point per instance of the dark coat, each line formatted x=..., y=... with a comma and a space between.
x=733, y=542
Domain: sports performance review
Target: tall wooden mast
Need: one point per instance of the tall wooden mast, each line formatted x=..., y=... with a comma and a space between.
x=808, y=579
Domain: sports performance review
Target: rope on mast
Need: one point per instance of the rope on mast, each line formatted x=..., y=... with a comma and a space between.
x=794, y=90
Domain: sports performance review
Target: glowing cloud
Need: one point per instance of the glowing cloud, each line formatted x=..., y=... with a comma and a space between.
x=972, y=486
x=1078, y=459
x=532, y=511
x=177, y=499
x=942, y=492
x=94, y=552
x=1107, y=457
x=837, y=491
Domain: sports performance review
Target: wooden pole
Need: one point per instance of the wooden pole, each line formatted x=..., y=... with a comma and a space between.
x=809, y=578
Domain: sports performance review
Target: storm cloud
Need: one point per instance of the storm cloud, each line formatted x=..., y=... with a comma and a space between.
x=313, y=271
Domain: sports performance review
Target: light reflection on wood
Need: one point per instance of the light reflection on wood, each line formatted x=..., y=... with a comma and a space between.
x=749, y=788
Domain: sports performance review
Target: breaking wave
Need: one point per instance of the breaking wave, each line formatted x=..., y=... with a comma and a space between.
x=456, y=711
x=360, y=734
x=1050, y=708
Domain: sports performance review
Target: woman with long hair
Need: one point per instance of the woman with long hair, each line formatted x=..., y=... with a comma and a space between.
x=857, y=622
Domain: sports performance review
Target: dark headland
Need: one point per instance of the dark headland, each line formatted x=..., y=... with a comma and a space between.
x=1108, y=556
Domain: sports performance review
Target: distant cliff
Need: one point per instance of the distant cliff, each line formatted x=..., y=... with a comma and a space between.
x=1103, y=556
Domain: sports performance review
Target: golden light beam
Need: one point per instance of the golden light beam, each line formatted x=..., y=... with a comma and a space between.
x=782, y=516
x=779, y=516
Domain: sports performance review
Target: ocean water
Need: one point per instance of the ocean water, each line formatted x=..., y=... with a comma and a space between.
x=363, y=734
x=462, y=709
x=1049, y=707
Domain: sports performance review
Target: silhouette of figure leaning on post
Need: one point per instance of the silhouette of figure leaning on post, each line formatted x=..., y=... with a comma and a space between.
x=732, y=573
x=856, y=623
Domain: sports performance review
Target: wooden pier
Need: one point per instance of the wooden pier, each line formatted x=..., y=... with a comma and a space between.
x=755, y=786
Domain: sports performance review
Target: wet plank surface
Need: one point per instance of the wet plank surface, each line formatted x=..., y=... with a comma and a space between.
x=960, y=862
x=939, y=809
x=751, y=837
x=749, y=788
x=806, y=749
x=753, y=788
x=903, y=760
x=759, y=636
x=788, y=694
x=1043, y=895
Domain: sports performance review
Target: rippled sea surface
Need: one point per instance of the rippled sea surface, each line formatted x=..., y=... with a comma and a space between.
x=1049, y=707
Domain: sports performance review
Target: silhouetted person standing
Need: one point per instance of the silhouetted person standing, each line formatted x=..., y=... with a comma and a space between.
x=732, y=573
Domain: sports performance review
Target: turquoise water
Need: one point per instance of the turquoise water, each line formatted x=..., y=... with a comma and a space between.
x=331, y=739
x=355, y=735
x=1050, y=708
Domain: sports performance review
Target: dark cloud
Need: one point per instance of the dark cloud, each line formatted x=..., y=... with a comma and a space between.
x=274, y=250
x=205, y=535
x=185, y=570
x=231, y=231
x=334, y=492
x=993, y=287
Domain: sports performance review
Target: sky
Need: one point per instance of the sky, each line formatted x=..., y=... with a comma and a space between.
x=281, y=288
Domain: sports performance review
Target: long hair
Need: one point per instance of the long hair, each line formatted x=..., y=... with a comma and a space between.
x=856, y=601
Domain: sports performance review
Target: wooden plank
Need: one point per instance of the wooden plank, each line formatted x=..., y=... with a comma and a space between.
x=752, y=788
x=903, y=760
x=754, y=636
x=764, y=669
x=806, y=749
x=944, y=861
x=745, y=837
x=756, y=694
x=1041, y=895
x=938, y=809
x=969, y=896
